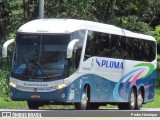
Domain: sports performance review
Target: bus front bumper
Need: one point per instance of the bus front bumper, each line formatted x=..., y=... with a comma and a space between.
x=55, y=96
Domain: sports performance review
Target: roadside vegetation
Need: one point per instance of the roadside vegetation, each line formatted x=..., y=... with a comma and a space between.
x=156, y=103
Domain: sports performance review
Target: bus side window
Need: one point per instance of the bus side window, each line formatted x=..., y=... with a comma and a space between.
x=152, y=47
x=103, y=45
x=89, y=46
x=73, y=63
x=116, y=51
x=125, y=48
x=78, y=56
x=97, y=45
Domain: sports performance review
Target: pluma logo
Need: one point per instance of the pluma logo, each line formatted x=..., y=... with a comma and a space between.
x=110, y=64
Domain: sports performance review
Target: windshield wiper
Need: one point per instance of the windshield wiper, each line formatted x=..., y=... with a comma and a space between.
x=44, y=71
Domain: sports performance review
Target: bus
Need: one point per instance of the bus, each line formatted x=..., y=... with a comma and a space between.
x=83, y=63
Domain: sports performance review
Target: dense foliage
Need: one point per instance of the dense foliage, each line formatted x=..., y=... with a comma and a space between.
x=141, y=16
x=137, y=15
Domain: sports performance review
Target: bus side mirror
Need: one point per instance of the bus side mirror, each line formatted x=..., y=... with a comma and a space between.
x=71, y=47
x=5, y=46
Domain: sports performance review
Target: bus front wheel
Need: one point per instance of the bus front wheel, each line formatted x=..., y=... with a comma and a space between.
x=33, y=104
x=83, y=105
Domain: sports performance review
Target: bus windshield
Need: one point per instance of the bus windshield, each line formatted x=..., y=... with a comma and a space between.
x=41, y=56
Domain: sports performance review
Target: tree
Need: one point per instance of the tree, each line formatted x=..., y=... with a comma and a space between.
x=135, y=15
x=79, y=9
x=133, y=23
x=157, y=37
x=4, y=18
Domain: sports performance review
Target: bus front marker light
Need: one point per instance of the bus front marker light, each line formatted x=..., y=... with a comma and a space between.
x=61, y=86
x=12, y=84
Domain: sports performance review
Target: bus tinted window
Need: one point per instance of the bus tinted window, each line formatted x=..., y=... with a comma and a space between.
x=115, y=47
x=89, y=45
x=119, y=47
x=138, y=49
x=103, y=45
x=97, y=45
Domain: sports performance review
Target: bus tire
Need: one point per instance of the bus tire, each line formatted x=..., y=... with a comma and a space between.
x=33, y=104
x=132, y=101
x=139, y=101
x=83, y=105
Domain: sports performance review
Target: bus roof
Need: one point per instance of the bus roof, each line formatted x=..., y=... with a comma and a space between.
x=70, y=25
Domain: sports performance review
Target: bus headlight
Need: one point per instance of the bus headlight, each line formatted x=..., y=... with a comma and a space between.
x=12, y=84
x=61, y=86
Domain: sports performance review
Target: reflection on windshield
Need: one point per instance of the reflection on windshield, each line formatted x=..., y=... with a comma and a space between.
x=41, y=56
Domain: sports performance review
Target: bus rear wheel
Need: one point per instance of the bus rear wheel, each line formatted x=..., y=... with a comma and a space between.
x=33, y=104
x=139, y=101
x=132, y=101
x=83, y=105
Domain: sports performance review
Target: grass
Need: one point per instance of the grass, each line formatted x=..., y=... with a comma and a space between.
x=4, y=89
x=156, y=102
x=158, y=71
x=6, y=102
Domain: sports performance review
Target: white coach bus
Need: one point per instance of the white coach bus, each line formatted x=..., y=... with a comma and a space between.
x=88, y=64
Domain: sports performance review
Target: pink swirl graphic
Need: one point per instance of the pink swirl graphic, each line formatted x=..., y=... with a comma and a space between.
x=135, y=78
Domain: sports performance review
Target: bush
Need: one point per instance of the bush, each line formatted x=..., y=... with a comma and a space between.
x=158, y=71
x=4, y=86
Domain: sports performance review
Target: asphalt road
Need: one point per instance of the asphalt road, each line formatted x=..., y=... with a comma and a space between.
x=114, y=109
x=71, y=114
x=86, y=113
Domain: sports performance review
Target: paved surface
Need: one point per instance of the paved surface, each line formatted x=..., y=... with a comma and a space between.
x=84, y=118
x=89, y=112
x=113, y=109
